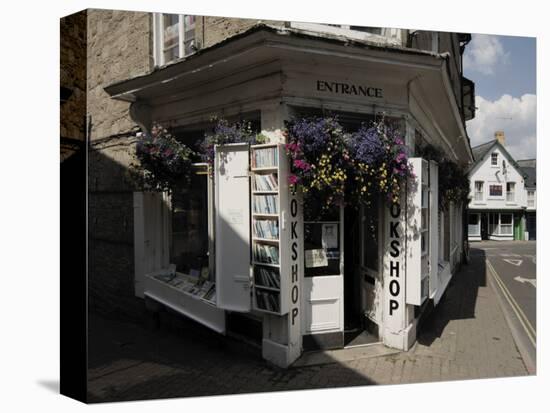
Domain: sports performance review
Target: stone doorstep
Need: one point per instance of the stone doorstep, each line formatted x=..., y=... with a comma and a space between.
x=313, y=358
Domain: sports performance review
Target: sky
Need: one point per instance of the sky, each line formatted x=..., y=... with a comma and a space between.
x=504, y=71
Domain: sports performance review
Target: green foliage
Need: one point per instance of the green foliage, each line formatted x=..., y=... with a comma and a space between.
x=163, y=162
x=454, y=183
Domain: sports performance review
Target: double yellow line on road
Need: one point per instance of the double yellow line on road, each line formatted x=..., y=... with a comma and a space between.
x=531, y=333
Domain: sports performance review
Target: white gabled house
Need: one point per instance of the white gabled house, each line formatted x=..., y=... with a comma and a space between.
x=498, y=194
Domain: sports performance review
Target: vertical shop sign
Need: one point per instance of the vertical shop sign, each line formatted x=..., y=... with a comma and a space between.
x=395, y=333
x=294, y=256
x=394, y=286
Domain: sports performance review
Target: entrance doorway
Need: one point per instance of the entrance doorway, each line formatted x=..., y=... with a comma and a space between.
x=361, y=279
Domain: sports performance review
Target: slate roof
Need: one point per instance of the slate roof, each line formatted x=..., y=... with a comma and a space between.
x=480, y=150
x=530, y=176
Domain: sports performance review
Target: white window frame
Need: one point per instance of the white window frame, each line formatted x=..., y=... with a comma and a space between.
x=478, y=194
x=500, y=224
x=389, y=35
x=530, y=198
x=158, y=38
x=477, y=233
x=494, y=156
x=501, y=196
x=511, y=195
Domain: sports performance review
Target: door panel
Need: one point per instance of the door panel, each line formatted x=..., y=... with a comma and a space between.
x=323, y=286
x=323, y=304
x=232, y=228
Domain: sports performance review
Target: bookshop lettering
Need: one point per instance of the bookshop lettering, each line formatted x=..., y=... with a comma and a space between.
x=240, y=246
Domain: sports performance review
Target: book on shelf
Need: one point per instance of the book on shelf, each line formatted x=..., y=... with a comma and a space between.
x=266, y=253
x=267, y=277
x=210, y=294
x=267, y=300
x=265, y=157
x=267, y=182
x=266, y=228
x=265, y=204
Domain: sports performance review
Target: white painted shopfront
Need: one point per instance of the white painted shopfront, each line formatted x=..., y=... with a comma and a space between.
x=499, y=197
x=329, y=272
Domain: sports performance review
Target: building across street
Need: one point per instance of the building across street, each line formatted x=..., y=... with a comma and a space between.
x=503, y=194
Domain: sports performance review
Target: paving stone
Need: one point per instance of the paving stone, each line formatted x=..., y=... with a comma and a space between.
x=131, y=362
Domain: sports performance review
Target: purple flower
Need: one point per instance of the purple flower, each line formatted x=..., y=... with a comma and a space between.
x=367, y=145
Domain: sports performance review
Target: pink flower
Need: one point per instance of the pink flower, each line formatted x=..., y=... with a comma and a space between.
x=293, y=179
x=301, y=164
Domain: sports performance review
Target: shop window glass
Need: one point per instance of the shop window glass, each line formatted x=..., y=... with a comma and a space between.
x=473, y=224
x=321, y=241
x=506, y=224
x=189, y=241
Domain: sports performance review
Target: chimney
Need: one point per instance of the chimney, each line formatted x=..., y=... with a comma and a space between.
x=499, y=136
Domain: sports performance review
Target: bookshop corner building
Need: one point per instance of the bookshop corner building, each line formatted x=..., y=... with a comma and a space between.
x=309, y=282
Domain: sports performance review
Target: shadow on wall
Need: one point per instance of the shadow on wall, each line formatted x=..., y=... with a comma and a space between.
x=111, y=234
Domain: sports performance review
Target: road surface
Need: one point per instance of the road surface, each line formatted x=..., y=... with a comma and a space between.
x=512, y=267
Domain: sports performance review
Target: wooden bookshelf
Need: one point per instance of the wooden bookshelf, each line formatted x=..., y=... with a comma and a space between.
x=269, y=165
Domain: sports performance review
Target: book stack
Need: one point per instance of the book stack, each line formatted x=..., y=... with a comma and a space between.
x=265, y=157
x=265, y=182
x=267, y=277
x=268, y=301
x=266, y=228
x=265, y=204
x=266, y=232
x=268, y=254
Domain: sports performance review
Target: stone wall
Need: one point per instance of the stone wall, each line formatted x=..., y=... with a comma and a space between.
x=73, y=79
x=213, y=29
x=119, y=47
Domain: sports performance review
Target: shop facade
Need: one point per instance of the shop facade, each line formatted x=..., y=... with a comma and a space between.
x=369, y=270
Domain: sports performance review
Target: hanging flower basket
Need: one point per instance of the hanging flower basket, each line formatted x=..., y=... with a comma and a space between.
x=336, y=168
x=163, y=161
x=226, y=133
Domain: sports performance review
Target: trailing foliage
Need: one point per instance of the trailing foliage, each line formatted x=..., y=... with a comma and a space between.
x=453, y=180
x=163, y=161
x=225, y=133
x=337, y=168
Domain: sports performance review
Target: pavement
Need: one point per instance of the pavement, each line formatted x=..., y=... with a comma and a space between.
x=466, y=337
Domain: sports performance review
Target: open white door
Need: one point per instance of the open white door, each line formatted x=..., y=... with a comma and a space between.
x=323, y=287
x=151, y=242
x=232, y=227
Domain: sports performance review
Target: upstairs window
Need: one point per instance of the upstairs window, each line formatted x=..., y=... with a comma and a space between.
x=494, y=159
x=510, y=191
x=379, y=34
x=478, y=196
x=530, y=198
x=174, y=37
x=495, y=190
